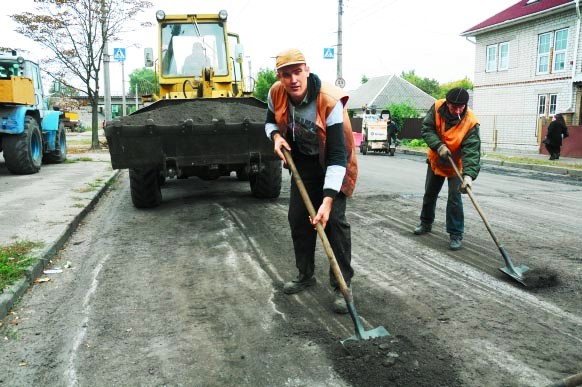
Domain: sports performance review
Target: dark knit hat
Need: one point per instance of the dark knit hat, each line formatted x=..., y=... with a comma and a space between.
x=458, y=96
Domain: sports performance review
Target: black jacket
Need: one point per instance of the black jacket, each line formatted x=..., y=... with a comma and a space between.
x=555, y=132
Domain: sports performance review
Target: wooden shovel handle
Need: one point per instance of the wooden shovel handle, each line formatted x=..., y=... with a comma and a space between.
x=320, y=231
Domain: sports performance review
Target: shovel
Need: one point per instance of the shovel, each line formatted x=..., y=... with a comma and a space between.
x=361, y=334
x=515, y=272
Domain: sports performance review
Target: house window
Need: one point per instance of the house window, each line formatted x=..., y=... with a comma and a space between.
x=544, y=53
x=557, y=42
x=560, y=44
x=547, y=104
x=542, y=105
x=553, y=101
x=491, y=58
x=503, y=56
x=497, y=57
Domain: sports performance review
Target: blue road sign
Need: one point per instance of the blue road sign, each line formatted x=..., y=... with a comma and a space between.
x=328, y=53
x=119, y=54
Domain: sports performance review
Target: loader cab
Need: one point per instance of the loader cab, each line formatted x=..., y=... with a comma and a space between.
x=192, y=39
x=198, y=57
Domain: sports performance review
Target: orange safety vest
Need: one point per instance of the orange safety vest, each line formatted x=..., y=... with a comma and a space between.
x=326, y=100
x=452, y=138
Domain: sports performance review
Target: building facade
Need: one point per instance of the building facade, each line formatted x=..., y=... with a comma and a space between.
x=527, y=68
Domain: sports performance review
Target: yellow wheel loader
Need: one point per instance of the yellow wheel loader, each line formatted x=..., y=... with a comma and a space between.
x=202, y=122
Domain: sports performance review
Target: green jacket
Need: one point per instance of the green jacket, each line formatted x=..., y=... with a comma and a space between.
x=470, y=147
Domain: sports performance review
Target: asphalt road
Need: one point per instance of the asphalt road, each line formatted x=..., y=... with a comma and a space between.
x=190, y=293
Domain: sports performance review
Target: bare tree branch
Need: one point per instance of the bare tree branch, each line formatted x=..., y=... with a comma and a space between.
x=74, y=32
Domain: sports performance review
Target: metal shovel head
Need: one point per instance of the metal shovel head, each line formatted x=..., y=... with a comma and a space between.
x=366, y=335
x=516, y=273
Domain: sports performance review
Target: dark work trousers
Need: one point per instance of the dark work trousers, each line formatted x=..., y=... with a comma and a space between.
x=455, y=215
x=392, y=138
x=304, y=236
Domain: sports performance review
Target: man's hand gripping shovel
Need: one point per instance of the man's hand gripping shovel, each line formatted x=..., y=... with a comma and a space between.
x=361, y=334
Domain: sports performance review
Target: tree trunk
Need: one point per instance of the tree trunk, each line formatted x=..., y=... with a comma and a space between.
x=95, y=122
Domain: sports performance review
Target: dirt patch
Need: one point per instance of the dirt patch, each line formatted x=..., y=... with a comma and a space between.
x=172, y=112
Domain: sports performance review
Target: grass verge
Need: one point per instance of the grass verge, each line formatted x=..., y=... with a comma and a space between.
x=14, y=260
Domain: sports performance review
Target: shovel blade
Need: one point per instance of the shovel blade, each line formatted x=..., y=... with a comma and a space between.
x=516, y=273
x=366, y=335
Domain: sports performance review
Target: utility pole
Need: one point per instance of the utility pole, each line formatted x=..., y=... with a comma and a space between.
x=123, y=112
x=106, y=81
x=339, y=79
x=106, y=60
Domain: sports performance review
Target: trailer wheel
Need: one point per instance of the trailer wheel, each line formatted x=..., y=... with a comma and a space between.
x=145, y=187
x=23, y=152
x=59, y=155
x=364, y=148
x=267, y=183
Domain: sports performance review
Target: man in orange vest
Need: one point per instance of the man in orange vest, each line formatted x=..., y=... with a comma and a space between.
x=450, y=129
x=308, y=117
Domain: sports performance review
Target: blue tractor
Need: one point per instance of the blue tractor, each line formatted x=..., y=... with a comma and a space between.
x=30, y=133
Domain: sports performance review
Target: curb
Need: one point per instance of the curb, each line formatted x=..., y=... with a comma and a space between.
x=13, y=292
x=575, y=173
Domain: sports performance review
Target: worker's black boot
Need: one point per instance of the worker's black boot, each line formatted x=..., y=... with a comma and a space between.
x=339, y=303
x=422, y=228
x=300, y=283
x=455, y=243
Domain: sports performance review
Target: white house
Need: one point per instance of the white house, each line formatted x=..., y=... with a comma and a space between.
x=527, y=68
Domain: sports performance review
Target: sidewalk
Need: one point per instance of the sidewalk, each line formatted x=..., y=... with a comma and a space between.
x=47, y=207
x=535, y=162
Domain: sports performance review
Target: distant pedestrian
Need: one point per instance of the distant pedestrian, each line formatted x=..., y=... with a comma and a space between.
x=556, y=132
x=450, y=129
x=392, y=128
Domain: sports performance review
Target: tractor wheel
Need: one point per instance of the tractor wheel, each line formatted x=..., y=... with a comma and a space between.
x=59, y=155
x=23, y=152
x=267, y=183
x=145, y=187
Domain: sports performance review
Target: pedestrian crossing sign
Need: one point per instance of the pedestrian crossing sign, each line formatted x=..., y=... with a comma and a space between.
x=328, y=53
x=119, y=54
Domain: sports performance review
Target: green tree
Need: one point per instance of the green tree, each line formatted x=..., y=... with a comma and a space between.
x=364, y=79
x=75, y=33
x=144, y=79
x=429, y=86
x=464, y=83
x=265, y=79
x=400, y=111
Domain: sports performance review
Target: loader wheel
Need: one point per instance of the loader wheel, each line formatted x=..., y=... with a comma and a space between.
x=59, y=155
x=145, y=187
x=267, y=183
x=242, y=174
x=23, y=152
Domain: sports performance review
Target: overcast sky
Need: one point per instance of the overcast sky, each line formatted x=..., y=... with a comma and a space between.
x=380, y=37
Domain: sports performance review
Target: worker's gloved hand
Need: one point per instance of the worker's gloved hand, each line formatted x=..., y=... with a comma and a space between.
x=444, y=152
x=467, y=182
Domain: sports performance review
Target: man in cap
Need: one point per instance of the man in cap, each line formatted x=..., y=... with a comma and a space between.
x=308, y=117
x=450, y=129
